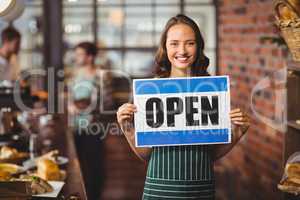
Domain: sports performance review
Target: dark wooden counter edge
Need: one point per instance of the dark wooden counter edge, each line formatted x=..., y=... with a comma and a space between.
x=74, y=182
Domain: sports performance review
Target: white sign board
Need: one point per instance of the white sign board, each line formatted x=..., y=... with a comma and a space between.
x=182, y=111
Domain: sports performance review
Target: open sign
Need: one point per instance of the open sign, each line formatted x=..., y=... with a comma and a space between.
x=182, y=111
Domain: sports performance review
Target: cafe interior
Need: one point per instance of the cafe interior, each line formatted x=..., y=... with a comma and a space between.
x=61, y=140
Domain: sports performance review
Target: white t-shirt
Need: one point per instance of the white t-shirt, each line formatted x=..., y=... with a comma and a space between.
x=5, y=70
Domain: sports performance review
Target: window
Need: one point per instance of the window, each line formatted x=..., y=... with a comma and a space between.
x=128, y=31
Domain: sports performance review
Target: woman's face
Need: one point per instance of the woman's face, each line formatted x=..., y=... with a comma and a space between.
x=181, y=47
x=81, y=58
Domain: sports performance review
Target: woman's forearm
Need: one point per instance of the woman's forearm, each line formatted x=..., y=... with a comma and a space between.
x=222, y=149
x=142, y=152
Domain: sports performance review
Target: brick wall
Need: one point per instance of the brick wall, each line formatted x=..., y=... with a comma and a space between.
x=253, y=168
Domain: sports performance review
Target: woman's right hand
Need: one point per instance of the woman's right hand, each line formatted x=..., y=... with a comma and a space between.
x=125, y=114
x=125, y=118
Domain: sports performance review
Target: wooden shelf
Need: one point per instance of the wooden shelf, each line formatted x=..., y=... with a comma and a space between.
x=294, y=68
x=293, y=124
x=292, y=136
x=293, y=65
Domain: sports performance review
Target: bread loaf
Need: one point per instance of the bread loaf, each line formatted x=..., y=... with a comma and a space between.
x=287, y=13
x=48, y=170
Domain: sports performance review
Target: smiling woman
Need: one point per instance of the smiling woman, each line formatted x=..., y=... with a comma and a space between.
x=180, y=171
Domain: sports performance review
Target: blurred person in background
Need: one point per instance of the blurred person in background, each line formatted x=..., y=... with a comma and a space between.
x=84, y=92
x=10, y=46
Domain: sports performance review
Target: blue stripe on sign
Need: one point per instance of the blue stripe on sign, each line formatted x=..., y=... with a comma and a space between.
x=182, y=137
x=161, y=86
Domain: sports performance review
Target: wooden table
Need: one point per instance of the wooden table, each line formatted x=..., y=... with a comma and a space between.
x=74, y=181
x=63, y=140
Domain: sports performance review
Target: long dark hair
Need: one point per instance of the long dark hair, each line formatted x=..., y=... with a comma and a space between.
x=89, y=48
x=163, y=65
x=9, y=34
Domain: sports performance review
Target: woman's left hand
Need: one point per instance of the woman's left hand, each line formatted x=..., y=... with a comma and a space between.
x=240, y=119
x=241, y=123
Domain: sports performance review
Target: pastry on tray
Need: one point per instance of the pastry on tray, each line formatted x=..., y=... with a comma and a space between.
x=288, y=186
x=10, y=168
x=47, y=169
x=51, y=155
x=37, y=184
x=292, y=171
x=5, y=176
x=40, y=186
x=290, y=181
x=12, y=155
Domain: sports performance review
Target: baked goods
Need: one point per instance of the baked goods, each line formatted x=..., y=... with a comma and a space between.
x=292, y=171
x=4, y=176
x=47, y=167
x=291, y=181
x=7, y=170
x=51, y=155
x=7, y=152
x=288, y=186
x=40, y=186
x=288, y=10
x=48, y=170
x=11, y=168
x=286, y=13
x=37, y=184
x=11, y=155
